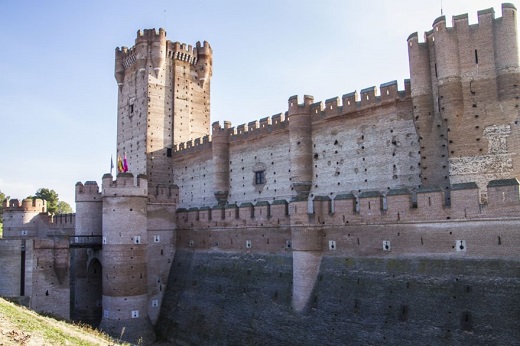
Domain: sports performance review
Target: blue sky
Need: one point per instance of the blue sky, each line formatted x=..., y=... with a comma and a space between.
x=58, y=95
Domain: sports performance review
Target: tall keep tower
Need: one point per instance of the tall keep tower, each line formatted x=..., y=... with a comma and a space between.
x=164, y=99
x=465, y=89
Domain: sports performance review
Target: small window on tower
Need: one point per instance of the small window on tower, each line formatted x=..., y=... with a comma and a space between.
x=169, y=152
x=131, y=108
x=260, y=177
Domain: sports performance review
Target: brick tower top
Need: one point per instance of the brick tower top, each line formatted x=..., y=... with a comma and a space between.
x=164, y=99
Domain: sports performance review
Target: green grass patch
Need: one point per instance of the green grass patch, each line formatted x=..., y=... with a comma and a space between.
x=52, y=331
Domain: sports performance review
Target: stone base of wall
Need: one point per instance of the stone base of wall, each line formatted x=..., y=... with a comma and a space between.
x=240, y=298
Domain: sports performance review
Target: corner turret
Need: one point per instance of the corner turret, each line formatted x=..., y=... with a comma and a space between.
x=300, y=137
x=220, y=152
x=464, y=80
x=21, y=217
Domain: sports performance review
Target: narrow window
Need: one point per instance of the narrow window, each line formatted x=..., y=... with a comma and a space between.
x=169, y=152
x=476, y=57
x=259, y=178
x=436, y=70
x=132, y=107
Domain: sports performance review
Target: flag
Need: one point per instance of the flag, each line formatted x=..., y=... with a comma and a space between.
x=111, y=164
x=120, y=168
x=125, y=164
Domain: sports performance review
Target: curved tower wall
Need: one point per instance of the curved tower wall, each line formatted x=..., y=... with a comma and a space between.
x=85, y=273
x=466, y=120
x=125, y=302
x=300, y=137
x=88, y=209
x=220, y=152
x=20, y=217
x=506, y=53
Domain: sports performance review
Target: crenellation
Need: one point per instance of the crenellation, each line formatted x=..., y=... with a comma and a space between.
x=322, y=208
x=398, y=204
x=62, y=220
x=164, y=193
x=370, y=204
x=368, y=96
x=486, y=16
x=369, y=207
x=350, y=101
x=262, y=212
x=246, y=212
x=265, y=122
x=241, y=129
x=465, y=200
x=333, y=106
x=26, y=205
x=87, y=192
x=278, y=119
x=389, y=91
x=317, y=110
x=252, y=126
x=125, y=184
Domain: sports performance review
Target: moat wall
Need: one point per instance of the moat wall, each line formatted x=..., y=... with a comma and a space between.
x=231, y=298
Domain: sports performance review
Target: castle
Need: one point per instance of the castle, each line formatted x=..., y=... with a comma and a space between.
x=382, y=216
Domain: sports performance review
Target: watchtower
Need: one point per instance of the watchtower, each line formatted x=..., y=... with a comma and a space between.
x=164, y=99
x=465, y=89
x=20, y=218
x=124, y=257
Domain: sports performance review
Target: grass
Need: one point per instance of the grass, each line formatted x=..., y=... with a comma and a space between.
x=20, y=326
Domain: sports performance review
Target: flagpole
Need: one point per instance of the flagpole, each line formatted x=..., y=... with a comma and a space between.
x=111, y=164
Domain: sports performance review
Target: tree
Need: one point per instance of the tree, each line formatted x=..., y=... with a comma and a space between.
x=51, y=197
x=2, y=198
x=63, y=208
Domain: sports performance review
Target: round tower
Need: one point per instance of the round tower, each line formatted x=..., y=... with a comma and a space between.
x=158, y=51
x=119, y=70
x=85, y=269
x=88, y=209
x=300, y=137
x=125, y=310
x=429, y=124
x=449, y=100
x=220, y=151
x=141, y=50
x=506, y=54
x=21, y=218
x=204, y=61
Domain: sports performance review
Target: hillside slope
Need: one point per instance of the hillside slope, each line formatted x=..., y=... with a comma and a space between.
x=20, y=326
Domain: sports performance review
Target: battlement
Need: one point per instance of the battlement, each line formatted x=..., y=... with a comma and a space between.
x=124, y=185
x=27, y=205
x=152, y=44
x=195, y=145
x=349, y=103
x=62, y=221
x=486, y=18
x=366, y=98
x=188, y=53
x=87, y=192
x=397, y=205
x=264, y=126
x=163, y=193
x=150, y=35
